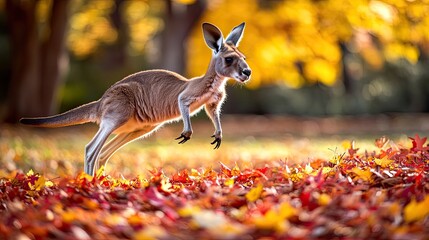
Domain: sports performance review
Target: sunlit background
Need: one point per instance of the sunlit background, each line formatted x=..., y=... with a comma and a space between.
x=315, y=145
x=323, y=72
x=308, y=57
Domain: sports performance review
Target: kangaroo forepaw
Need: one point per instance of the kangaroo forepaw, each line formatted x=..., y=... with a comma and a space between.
x=183, y=137
x=217, y=141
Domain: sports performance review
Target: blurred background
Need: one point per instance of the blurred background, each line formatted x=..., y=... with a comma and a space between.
x=309, y=57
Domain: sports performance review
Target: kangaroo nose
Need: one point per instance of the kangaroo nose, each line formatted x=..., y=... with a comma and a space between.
x=247, y=72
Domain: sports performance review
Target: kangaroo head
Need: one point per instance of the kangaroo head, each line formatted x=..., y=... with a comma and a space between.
x=228, y=61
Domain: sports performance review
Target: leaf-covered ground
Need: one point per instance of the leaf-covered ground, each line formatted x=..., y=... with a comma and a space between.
x=356, y=194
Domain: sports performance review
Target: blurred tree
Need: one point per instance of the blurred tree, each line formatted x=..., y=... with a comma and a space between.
x=91, y=27
x=180, y=18
x=118, y=51
x=37, y=56
x=302, y=42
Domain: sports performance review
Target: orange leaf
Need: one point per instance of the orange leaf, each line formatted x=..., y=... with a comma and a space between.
x=416, y=211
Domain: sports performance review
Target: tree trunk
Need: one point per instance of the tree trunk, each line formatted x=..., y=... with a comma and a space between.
x=178, y=21
x=116, y=55
x=53, y=56
x=23, y=96
x=36, y=68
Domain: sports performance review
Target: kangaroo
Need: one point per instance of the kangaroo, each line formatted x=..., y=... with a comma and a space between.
x=142, y=102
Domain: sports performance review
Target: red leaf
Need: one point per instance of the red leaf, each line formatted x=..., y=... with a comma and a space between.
x=418, y=144
x=225, y=170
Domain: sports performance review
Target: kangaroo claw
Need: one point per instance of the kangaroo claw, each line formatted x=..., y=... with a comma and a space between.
x=183, y=140
x=217, y=141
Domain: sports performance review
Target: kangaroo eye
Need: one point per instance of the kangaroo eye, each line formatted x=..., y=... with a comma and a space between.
x=228, y=60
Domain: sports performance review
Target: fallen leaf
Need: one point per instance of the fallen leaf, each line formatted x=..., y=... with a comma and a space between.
x=254, y=193
x=415, y=211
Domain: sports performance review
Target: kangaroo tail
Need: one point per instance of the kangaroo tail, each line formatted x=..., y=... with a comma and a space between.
x=83, y=114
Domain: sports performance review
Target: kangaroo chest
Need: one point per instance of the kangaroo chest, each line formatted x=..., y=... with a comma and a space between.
x=211, y=95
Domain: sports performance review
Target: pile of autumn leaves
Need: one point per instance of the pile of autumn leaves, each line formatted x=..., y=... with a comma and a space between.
x=381, y=195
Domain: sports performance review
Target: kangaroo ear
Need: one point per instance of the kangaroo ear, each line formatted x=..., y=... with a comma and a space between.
x=213, y=37
x=236, y=34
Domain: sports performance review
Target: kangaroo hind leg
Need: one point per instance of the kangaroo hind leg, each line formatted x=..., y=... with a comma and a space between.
x=119, y=141
x=117, y=109
x=93, y=148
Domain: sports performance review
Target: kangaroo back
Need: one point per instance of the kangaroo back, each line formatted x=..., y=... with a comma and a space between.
x=83, y=114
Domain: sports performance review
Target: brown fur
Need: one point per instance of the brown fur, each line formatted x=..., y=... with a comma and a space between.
x=140, y=103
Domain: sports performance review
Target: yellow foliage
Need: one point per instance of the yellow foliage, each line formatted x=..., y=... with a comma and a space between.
x=364, y=174
x=324, y=199
x=275, y=219
x=289, y=42
x=142, y=25
x=90, y=27
x=188, y=210
x=30, y=172
x=416, y=211
x=254, y=193
x=396, y=50
x=229, y=182
x=346, y=144
x=39, y=184
x=383, y=162
x=282, y=33
x=320, y=70
x=336, y=159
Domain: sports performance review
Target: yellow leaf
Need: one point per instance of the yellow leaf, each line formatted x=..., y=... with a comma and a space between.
x=383, y=162
x=328, y=170
x=296, y=177
x=286, y=210
x=254, y=193
x=229, y=182
x=30, y=173
x=346, y=144
x=38, y=185
x=194, y=173
x=48, y=183
x=235, y=171
x=85, y=176
x=416, y=211
x=324, y=199
x=100, y=172
x=362, y=174
x=188, y=210
x=276, y=220
x=269, y=221
x=336, y=159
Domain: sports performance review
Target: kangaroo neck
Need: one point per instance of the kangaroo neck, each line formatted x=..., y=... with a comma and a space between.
x=213, y=80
